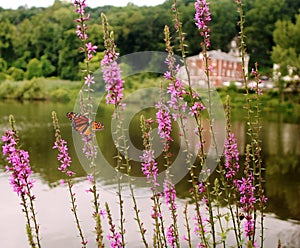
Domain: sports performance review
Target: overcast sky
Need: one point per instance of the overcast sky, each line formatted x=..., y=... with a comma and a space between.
x=14, y=4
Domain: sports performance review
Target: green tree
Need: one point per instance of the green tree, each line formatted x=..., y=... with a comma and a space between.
x=34, y=69
x=22, y=39
x=16, y=73
x=47, y=67
x=223, y=25
x=259, y=27
x=6, y=31
x=286, y=52
x=3, y=65
x=69, y=56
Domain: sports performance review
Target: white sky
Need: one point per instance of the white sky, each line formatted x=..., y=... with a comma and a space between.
x=14, y=4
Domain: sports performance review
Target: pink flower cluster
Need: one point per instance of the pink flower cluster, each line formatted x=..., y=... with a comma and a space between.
x=18, y=164
x=114, y=83
x=197, y=108
x=202, y=19
x=170, y=194
x=171, y=240
x=80, y=5
x=149, y=165
x=177, y=92
x=231, y=156
x=115, y=240
x=81, y=28
x=163, y=118
x=90, y=49
x=63, y=156
x=247, y=201
x=89, y=149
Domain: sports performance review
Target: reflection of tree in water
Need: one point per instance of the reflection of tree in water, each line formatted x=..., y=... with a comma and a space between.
x=283, y=185
x=282, y=160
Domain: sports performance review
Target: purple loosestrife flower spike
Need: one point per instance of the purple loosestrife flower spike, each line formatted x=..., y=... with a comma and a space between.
x=20, y=169
x=202, y=19
x=110, y=68
x=163, y=118
x=19, y=165
x=60, y=144
x=149, y=166
x=114, y=83
x=170, y=236
x=231, y=157
x=170, y=194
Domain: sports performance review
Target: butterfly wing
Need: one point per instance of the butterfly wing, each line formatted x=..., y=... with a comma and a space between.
x=82, y=124
x=70, y=115
x=96, y=125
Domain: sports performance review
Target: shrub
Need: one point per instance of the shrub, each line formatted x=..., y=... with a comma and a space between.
x=60, y=95
x=34, y=69
x=30, y=90
x=3, y=76
x=17, y=74
x=7, y=89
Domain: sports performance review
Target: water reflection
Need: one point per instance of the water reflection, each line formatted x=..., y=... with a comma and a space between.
x=280, y=141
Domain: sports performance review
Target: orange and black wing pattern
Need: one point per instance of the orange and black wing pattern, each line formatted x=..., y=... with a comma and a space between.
x=81, y=123
x=96, y=125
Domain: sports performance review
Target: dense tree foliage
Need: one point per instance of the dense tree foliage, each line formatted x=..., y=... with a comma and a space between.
x=286, y=51
x=42, y=41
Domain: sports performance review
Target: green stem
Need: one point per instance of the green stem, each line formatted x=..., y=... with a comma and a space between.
x=74, y=210
x=97, y=217
x=188, y=229
x=28, y=224
x=36, y=226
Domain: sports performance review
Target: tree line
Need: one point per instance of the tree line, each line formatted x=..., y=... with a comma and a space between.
x=42, y=41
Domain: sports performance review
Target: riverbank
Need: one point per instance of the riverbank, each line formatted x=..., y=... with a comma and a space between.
x=55, y=89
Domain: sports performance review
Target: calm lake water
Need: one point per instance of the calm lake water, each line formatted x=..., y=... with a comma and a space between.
x=281, y=156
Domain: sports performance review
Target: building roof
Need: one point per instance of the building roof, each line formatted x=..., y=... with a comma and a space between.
x=218, y=54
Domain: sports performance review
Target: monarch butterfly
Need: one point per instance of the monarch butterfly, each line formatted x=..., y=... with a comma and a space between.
x=82, y=124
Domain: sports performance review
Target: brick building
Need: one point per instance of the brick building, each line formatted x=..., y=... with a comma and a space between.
x=226, y=67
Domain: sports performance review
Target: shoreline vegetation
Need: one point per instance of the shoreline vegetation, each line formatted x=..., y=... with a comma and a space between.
x=58, y=90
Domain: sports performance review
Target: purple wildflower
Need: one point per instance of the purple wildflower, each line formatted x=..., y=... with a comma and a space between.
x=114, y=83
x=231, y=156
x=176, y=91
x=63, y=156
x=149, y=165
x=163, y=119
x=89, y=149
x=196, y=108
x=170, y=194
x=89, y=80
x=171, y=240
x=80, y=31
x=199, y=228
x=167, y=75
x=90, y=178
x=247, y=201
x=202, y=19
x=18, y=165
x=80, y=5
x=115, y=240
x=90, y=49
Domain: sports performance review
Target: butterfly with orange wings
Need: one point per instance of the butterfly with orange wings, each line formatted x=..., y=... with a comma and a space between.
x=83, y=125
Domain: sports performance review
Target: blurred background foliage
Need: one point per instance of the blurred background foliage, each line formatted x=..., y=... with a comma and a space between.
x=39, y=42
